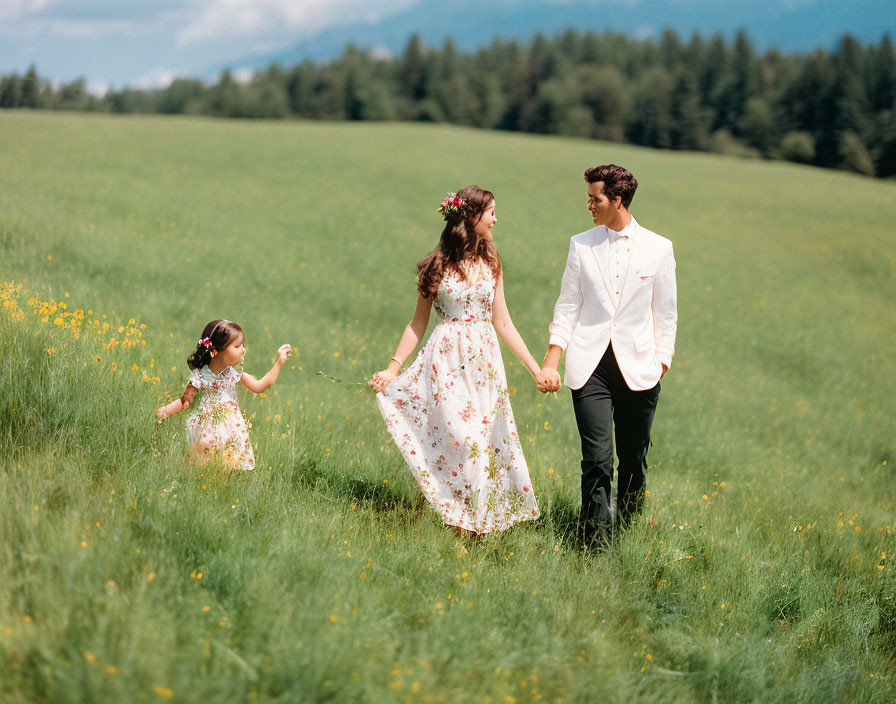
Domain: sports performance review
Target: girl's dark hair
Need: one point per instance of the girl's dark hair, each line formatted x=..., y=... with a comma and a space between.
x=459, y=243
x=220, y=334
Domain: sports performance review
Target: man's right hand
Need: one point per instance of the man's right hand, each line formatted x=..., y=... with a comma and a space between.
x=548, y=380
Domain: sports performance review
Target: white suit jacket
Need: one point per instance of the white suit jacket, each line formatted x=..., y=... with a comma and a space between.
x=641, y=328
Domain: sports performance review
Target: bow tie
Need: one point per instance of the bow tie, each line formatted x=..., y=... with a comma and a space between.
x=613, y=235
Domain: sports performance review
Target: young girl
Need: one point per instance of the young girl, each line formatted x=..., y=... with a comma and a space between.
x=449, y=413
x=218, y=426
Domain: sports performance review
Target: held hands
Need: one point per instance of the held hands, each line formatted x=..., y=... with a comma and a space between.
x=548, y=380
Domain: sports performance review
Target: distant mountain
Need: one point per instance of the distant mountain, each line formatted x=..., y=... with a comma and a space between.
x=789, y=25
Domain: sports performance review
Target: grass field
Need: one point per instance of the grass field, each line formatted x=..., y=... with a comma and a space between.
x=761, y=570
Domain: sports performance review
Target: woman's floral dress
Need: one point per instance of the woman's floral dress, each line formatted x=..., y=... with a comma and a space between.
x=450, y=416
x=218, y=423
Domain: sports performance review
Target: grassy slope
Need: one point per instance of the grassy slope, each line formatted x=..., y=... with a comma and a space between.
x=325, y=575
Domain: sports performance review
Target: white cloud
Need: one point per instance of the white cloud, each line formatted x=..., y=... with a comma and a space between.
x=381, y=53
x=645, y=31
x=221, y=19
x=91, y=29
x=44, y=20
x=98, y=88
x=244, y=75
x=14, y=10
x=159, y=77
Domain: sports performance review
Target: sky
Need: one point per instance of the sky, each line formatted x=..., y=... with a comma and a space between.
x=148, y=43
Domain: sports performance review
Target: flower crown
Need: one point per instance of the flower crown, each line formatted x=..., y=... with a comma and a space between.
x=451, y=204
x=207, y=343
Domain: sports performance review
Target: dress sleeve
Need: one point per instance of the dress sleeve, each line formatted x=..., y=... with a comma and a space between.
x=195, y=379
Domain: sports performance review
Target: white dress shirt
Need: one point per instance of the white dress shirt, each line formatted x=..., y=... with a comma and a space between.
x=618, y=255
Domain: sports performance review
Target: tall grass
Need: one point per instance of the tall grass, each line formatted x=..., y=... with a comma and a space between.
x=760, y=570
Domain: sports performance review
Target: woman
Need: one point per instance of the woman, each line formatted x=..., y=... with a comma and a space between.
x=449, y=413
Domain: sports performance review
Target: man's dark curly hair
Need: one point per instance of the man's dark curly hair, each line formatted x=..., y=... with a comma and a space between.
x=617, y=181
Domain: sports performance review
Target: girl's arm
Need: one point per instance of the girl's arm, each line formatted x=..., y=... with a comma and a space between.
x=505, y=328
x=267, y=381
x=410, y=338
x=179, y=405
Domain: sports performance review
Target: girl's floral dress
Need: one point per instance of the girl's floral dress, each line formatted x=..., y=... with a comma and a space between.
x=450, y=416
x=218, y=422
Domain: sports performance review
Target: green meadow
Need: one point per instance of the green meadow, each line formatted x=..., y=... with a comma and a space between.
x=762, y=568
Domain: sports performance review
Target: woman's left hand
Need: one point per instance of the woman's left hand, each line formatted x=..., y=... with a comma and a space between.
x=381, y=380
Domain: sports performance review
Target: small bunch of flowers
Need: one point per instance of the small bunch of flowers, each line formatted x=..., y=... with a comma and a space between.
x=450, y=204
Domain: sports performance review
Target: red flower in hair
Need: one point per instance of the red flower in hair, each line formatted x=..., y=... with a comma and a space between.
x=450, y=204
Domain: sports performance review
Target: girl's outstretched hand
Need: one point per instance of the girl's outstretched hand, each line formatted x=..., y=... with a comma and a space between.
x=284, y=353
x=381, y=380
x=160, y=414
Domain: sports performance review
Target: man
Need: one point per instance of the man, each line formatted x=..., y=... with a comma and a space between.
x=616, y=318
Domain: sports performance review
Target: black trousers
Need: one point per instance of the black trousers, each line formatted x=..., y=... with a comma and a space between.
x=603, y=401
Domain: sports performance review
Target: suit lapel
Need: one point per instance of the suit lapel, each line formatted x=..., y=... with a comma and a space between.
x=599, y=250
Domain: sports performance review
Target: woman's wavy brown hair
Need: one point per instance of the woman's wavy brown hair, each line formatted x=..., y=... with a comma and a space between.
x=221, y=333
x=459, y=243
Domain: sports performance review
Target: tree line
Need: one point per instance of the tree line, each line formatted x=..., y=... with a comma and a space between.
x=828, y=108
